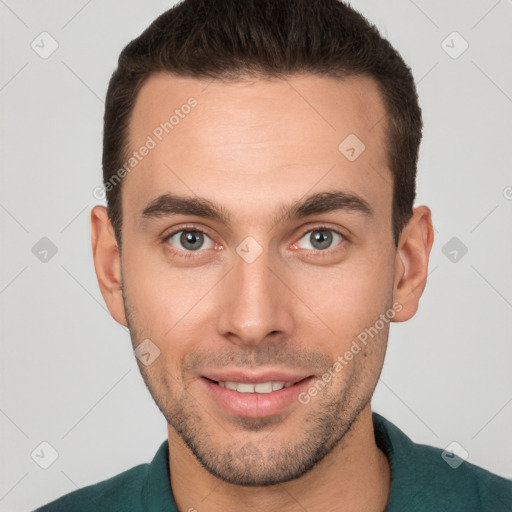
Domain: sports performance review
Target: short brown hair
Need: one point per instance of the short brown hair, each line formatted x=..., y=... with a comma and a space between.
x=230, y=39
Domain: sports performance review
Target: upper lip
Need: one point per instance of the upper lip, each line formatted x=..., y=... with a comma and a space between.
x=255, y=377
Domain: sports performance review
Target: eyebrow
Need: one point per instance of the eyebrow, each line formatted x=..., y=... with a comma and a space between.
x=168, y=205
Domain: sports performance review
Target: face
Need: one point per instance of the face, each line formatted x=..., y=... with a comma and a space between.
x=255, y=251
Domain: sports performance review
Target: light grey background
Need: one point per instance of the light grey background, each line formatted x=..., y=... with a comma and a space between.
x=68, y=374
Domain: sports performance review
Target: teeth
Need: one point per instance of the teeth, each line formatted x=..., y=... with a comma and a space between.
x=243, y=387
x=262, y=387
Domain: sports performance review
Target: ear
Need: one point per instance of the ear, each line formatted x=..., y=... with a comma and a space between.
x=107, y=262
x=411, y=264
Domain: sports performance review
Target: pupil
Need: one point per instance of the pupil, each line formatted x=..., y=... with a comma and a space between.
x=321, y=239
x=190, y=239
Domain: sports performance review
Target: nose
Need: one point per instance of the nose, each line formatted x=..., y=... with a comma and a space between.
x=255, y=304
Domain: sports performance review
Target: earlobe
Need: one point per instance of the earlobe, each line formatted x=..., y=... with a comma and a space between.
x=107, y=262
x=411, y=264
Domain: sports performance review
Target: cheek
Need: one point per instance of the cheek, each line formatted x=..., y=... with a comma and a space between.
x=166, y=303
x=349, y=298
x=144, y=282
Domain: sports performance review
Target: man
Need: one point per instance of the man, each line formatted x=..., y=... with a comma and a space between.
x=260, y=237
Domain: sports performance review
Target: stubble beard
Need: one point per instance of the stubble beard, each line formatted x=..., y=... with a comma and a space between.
x=326, y=426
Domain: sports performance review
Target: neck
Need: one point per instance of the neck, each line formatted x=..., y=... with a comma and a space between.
x=354, y=476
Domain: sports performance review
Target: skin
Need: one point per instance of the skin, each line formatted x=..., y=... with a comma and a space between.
x=253, y=147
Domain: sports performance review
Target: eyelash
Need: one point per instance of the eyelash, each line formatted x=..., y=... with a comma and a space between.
x=191, y=254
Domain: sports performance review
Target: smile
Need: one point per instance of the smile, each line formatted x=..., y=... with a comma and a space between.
x=260, y=398
x=262, y=387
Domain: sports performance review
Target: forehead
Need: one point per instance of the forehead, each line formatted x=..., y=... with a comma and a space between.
x=255, y=142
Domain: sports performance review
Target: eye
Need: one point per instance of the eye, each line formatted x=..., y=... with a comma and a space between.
x=189, y=240
x=320, y=239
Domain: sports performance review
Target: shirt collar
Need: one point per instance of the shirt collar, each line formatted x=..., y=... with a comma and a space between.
x=156, y=488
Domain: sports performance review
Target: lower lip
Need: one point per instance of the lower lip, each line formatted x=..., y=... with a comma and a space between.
x=255, y=405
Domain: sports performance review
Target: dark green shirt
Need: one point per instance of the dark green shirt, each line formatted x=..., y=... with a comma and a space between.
x=422, y=480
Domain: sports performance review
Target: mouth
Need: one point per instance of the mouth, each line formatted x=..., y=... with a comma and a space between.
x=261, y=387
x=255, y=397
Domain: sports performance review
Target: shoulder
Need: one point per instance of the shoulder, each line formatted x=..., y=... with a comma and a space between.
x=430, y=478
x=456, y=483
x=121, y=492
